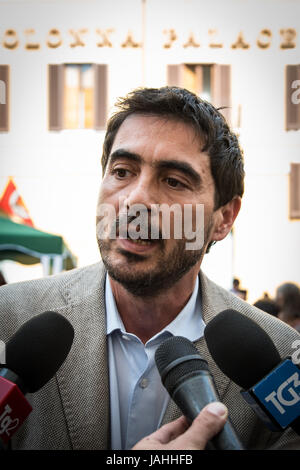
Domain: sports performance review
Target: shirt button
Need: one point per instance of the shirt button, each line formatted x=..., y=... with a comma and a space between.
x=144, y=383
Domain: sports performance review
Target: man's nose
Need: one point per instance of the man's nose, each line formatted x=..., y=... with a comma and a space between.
x=144, y=191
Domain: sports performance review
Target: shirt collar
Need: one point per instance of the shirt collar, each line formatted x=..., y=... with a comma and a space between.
x=188, y=323
x=113, y=321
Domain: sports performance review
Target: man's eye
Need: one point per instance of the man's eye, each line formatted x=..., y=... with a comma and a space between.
x=174, y=183
x=120, y=172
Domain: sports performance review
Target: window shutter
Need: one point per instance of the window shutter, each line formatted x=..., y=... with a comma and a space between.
x=4, y=98
x=221, y=89
x=174, y=75
x=56, y=96
x=295, y=191
x=100, y=96
x=292, y=73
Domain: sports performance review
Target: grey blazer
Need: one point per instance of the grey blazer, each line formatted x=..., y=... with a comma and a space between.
x=72, y=411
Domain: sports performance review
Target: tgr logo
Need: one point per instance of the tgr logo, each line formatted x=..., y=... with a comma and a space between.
x=286, y=394
x=2, y=353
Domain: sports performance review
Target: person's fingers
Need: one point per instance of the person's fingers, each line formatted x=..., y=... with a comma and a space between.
x=164, y=435
x=177, y=435
x=172, y=430
x=205, y=426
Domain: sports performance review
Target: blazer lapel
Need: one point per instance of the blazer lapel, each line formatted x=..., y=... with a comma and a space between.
x=212, y=304
x=83, y=378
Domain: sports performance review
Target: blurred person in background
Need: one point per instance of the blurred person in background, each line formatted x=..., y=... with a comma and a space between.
x=267, y=305
x=287, y=293
x=288, y=303
x=236, y=290
x=291, y=315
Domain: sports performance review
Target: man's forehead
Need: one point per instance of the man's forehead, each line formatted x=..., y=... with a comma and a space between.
x=163, y=130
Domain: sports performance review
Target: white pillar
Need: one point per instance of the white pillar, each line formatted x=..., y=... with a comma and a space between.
x=57, y=264
x=45, y=261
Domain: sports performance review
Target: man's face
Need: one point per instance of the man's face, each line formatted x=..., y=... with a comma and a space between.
x=155, y=161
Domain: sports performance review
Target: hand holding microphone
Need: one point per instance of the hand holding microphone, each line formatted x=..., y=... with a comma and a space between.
x=179, y=435
x=186, y=376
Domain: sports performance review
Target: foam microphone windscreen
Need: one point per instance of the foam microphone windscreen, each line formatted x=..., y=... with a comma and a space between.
x=175, y=358
x=240, y=347
x=38, y=349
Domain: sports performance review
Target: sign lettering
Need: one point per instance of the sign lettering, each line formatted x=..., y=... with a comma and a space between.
x=169, y=36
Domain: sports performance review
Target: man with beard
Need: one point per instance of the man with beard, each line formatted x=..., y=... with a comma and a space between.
x=163, y=147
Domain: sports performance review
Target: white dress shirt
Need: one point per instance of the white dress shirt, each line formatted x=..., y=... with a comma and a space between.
x=138, y=399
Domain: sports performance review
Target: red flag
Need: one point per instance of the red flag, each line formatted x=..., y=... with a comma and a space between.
x=12, y=204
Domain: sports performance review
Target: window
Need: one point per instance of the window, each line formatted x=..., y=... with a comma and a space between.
x=77, y=96
x=212, y=82
x=292, y=97
x=197, y=78
x=4, y=98
x=294, y=188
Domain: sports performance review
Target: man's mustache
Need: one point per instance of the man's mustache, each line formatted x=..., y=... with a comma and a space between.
x=161, y=222
x=138, y=226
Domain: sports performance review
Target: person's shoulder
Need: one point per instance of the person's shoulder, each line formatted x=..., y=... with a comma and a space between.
x=21, y=300
x=281, y=334
x=52, y=283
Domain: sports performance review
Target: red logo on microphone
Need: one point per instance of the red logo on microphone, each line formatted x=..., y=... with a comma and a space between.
x=14, y=409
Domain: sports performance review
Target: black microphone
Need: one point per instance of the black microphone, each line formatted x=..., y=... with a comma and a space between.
x=186, y=376
x=33, y=356
x=247, y=355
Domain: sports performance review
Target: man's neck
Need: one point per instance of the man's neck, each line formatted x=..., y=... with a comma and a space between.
x=146, y=316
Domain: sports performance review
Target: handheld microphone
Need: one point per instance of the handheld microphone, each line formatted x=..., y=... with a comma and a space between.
x=246, y=354
x=33, y=356
x=185, y=375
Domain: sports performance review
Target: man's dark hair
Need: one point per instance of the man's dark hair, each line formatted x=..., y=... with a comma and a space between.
x=220, y=143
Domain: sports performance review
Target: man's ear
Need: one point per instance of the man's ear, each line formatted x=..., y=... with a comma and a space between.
x=225, y=218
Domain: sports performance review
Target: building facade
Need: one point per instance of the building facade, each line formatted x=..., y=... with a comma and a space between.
x=63, y=64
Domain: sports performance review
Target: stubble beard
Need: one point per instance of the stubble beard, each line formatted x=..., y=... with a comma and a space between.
x=168, y=270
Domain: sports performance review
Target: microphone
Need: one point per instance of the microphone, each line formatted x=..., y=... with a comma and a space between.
x=247, y=355
x=33, y=356
x=185, y=375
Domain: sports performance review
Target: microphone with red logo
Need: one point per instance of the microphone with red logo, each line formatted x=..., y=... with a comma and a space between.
x=32, y=357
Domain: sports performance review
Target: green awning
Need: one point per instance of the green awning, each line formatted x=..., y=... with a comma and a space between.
x=27, y=245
